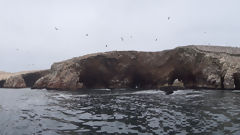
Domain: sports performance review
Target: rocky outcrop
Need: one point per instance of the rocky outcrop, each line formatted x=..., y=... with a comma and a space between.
x=15, y=82
x=211, y=67
x=24, y=80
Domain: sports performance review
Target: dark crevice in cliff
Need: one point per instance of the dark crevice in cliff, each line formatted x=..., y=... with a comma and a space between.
x=141, y=80
x=31, y=78
x=94, y=79
x=236, y=77
x=139, y=76
x=2, y=83
x=97, y=73
x=222, y=82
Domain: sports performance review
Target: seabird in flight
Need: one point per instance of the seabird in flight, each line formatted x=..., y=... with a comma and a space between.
x=122, y=38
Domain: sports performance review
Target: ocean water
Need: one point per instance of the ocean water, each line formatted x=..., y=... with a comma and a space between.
x=147, y=112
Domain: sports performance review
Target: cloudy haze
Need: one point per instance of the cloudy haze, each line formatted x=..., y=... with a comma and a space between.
x=36, y=33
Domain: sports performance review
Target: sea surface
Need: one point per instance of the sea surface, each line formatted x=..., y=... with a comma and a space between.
x=146, y=112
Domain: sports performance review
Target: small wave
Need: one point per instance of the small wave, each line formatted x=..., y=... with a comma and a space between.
x=236, y=91
x=102, y=89
x=182, y=92
x=148, y=92
x=67, y=96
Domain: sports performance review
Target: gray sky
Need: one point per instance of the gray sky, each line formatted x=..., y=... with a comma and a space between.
x=29, y=41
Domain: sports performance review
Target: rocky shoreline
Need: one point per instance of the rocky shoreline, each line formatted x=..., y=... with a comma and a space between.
x=209, y=67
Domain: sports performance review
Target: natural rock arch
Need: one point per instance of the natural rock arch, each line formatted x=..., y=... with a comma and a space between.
x=186, y=77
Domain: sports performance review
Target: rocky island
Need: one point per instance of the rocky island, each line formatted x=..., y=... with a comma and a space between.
x=209, y=67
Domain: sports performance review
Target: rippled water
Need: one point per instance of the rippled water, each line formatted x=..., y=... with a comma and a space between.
x=25, y=111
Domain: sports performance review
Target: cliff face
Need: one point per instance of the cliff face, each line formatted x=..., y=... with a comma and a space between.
x=195, y=66
x=211, y=67
x=15, y=82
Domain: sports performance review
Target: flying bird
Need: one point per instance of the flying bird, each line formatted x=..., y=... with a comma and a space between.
x=168, y=18
x=156, y=39
x=86, y=35
x=106, y=45
x=122, y=39
x=56, y=28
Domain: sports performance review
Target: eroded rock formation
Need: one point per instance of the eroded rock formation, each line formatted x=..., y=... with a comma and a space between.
x=26, y=79
x=15, y=82
x=211, y=67
x=195, y=66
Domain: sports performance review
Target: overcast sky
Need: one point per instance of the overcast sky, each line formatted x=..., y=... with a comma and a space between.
x=29, y=39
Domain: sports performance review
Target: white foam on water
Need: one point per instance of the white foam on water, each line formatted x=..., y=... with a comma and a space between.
x=181, y=92
x=236, y=91
x=102, y=89
x=69, y=96
x=148, y=92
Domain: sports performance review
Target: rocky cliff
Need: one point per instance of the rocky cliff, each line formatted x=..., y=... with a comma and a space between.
x=22, y=80
x=211, y=67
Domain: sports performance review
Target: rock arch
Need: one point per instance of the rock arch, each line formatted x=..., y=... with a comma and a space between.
x=186, y=77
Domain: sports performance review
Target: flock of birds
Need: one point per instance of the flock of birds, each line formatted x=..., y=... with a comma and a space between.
x=121, y=38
